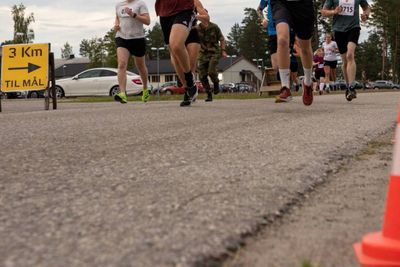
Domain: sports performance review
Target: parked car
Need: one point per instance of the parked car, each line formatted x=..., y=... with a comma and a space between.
x=162, y=86
x=36, y=94
x=227, y=87
x=175, y=90
x=97, y=82
x=382, y=84
x=16, y=94
x=341, y=85
x=243, y=87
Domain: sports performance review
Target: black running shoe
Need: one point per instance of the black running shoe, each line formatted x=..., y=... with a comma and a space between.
x=351, y=94
x=192, y=93
x=216, y=88
x=186, y=100
x=209, y=97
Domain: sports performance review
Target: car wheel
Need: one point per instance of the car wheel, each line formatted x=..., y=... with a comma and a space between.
x=59, y=92
x=376, y=88
x=395, y=87
x=114, y=91
x=33, y=94
x=168, y=92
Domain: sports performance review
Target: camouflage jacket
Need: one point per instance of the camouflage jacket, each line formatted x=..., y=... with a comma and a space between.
x=209, y=38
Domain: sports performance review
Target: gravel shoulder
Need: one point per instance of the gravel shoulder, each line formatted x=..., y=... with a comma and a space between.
x=338, y=213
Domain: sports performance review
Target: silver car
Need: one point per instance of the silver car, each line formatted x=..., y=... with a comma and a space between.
x=382, y=84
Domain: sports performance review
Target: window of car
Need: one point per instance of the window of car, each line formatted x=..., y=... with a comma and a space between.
x=90, y=74
x=107, y=73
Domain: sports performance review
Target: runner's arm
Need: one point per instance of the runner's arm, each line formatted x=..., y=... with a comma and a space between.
x=202, y=13
x=116, y=24
x=366, y=10
x=144, y=18
x=329, y=9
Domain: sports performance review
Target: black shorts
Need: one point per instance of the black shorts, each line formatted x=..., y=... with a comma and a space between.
x=185, y=18
x=331, y=64
x=272, y=44
x=294, y=65
x=193, y=37
x=137, y=47
x=343, y=38
x=319, y=73
x=298, y=14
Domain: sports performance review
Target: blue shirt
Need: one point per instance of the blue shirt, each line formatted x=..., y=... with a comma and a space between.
x=271, y=30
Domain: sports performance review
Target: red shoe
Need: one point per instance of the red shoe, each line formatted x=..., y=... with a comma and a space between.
x=284, y=96
x=307, y=94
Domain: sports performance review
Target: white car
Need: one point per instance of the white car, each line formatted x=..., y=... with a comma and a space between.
x=97, y=82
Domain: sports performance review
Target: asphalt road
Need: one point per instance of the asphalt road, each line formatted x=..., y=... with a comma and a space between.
x=158, y=185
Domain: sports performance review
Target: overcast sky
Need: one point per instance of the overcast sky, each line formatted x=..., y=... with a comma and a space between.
x=58, y=22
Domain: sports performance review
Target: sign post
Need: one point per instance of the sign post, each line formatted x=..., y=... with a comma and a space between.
x=27, y=67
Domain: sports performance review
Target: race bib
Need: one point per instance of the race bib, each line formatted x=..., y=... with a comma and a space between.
x=320, y=66
x=348, y=7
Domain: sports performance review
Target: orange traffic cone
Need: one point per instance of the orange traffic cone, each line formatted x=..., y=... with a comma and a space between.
x=382, y=249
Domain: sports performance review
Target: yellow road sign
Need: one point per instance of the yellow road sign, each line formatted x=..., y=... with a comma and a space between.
x=25, y=67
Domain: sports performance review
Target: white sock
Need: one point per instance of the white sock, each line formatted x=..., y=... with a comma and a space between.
x=321, y=86
x=284, y=74
x=307, y=76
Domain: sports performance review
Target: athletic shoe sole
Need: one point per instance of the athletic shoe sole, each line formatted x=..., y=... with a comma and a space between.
x=283, y=100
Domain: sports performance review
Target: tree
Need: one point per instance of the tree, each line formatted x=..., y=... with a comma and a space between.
x=368, y=57
x=387, y=25
x=110, y=49
x=154, y=38
x=66, y=51
x=93, y=49
x=233, y=39
x=253, y=39
x=22, y=32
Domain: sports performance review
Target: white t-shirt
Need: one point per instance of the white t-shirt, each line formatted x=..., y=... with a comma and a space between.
x=130, y=28
x=329, y=51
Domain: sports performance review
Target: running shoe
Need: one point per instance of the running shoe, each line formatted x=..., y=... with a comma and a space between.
x=121, y=97
x=307, y=94
x=186, y=100
x=209, y=97
x=145, y=95
x=216, y=88
x=284, y=96
x=350, y=94
x=192, y=93
x=321, y=92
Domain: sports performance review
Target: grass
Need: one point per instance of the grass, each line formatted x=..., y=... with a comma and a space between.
x=307, y=263
x=97, y=99
x=242, y=96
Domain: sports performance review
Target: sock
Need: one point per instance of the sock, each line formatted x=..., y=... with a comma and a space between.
x=189, y=79
x=321, y=86
x=284, y=74
x=307, y=76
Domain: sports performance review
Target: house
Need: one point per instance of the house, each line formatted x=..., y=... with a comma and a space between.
x=231, y=70
x=71, y=66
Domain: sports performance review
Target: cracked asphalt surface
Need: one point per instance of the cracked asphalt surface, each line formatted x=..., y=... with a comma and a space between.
x=158, y=185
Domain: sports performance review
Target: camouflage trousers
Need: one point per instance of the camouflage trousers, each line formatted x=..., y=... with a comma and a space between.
x=207, y=66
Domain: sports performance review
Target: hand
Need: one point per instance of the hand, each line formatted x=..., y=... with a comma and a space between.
x=117, y=27
x=364, y=17
x=128, y=11
x=264, y=23
x=338, y=9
